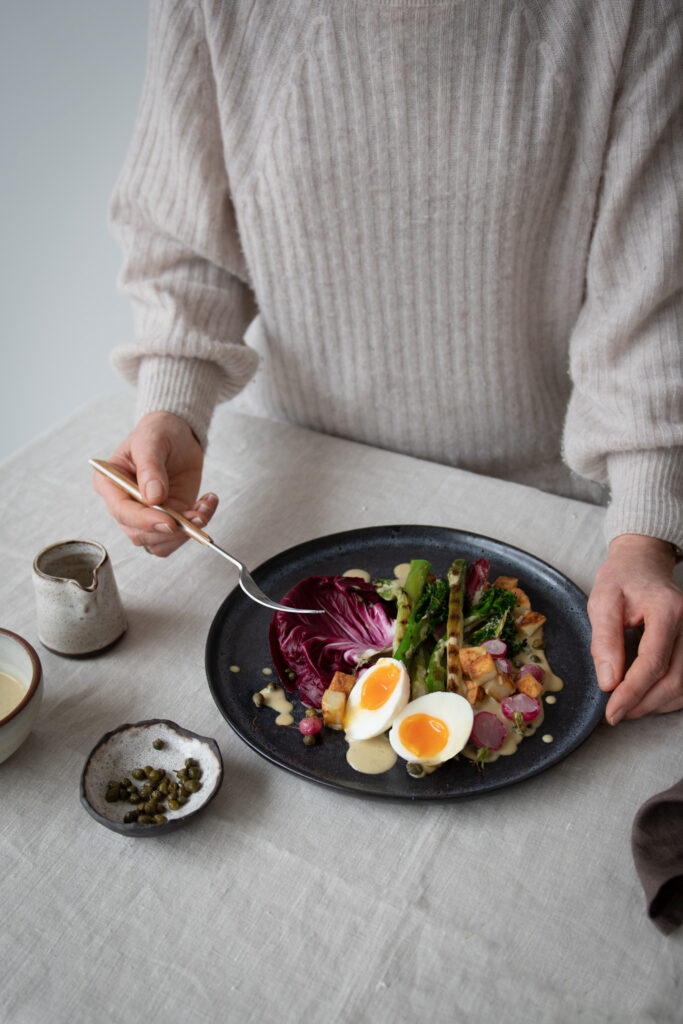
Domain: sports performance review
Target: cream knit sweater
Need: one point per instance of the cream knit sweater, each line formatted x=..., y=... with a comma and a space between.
x=445, y=227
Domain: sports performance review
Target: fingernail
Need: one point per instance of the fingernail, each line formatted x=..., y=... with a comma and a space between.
x=163, y=528
x=617, y=716
x=605, y=676
x=198, y=521
x=154, y=491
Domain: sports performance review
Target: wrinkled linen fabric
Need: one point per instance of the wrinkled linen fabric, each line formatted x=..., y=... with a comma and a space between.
x=286, y=901
x=449, y=229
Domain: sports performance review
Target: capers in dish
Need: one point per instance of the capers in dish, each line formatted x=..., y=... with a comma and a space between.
x=158, y=793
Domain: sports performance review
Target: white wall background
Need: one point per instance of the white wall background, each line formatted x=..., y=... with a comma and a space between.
x=71, y=74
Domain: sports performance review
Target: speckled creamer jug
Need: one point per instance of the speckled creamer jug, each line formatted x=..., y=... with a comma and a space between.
x=78, y=606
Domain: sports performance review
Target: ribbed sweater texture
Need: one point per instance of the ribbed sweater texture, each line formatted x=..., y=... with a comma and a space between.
x=450, y=229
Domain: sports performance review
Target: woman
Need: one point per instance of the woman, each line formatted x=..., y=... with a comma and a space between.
x=448, y=229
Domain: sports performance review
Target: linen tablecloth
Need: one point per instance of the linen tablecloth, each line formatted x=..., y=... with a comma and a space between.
x=287, y=901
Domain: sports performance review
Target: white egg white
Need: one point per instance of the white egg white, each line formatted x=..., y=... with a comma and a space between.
x=361, y=723
x=453, y=710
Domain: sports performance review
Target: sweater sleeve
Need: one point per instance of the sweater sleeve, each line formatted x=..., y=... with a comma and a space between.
x=625, y=419
x=173, y=215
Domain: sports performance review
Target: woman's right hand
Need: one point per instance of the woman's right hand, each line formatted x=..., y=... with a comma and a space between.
x=166, y=459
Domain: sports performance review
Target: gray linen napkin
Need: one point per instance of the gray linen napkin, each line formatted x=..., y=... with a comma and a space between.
x=657, y=844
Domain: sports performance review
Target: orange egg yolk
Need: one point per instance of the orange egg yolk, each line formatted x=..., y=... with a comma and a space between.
x=423, y=735
x=379, y=685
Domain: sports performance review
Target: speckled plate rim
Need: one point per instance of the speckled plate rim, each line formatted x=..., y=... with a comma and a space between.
x=147, y=831
x=283, y=570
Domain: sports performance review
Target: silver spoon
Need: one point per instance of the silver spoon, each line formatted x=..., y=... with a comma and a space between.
x=246, y=581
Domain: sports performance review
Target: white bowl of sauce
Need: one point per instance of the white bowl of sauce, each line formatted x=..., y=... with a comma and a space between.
x=21, y=691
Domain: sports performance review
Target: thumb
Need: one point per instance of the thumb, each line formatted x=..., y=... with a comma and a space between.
x=152, y=477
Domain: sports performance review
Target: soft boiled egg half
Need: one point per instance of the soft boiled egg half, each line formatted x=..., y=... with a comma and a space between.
x=433, y=728
x=377, y=697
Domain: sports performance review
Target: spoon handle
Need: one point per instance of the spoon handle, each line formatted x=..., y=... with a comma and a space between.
x=130, y=487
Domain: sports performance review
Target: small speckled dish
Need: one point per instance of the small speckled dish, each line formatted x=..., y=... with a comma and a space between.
x=130, y=746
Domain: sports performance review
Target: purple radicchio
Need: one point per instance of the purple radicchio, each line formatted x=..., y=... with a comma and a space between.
x=477, y=576
x=308, y=649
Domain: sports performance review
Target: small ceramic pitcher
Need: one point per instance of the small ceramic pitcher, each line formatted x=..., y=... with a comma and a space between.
x=77, y=601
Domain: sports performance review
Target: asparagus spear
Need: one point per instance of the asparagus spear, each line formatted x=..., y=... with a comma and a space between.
x=456, y=582
x=436, y=670
x=418, y=673
x=431, y=609
x=391, y=590
x=412, y=591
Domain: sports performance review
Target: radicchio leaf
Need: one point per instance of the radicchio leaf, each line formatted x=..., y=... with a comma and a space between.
x=308, y=649
x=477, y=575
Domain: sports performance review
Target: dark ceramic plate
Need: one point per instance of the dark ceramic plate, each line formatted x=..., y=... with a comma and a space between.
x=239, y=637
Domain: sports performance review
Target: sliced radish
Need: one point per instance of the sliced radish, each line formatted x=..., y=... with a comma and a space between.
x=503, y=665
x=488, y=731
x=496, y=648
x=520, y=704
x=531, y=670
x=310, y=726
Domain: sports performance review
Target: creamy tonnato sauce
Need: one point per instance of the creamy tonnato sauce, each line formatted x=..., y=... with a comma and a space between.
x=274, y=698
x=12, y=692
x=372, y=757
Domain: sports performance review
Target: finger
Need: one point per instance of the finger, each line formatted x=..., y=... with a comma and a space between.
x=606, y=614
x=202, y=510
x=667, y=693
x=652, y=665
x=129, y=513
x=156, y=543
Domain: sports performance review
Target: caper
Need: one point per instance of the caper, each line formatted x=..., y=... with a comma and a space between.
x=538, y=645
x=258, y=699
x=148, y=770
x=158, y=744
x=173, y=805
x=164, y=786
x=156, y=775
x=416, y=770
x=112, y=795
x=310, y=740
x=156, y=795
x=535, y=658
x=138, y=773
x=134, y=797
x=130, y=817
x=190, y=763
x=194, y=773
x=159, y=819
x=311, y=713
x=150, y=807
x=270, y=687
x=192, y=785
x=125, y=783
x=182, y=798
x=144, y=819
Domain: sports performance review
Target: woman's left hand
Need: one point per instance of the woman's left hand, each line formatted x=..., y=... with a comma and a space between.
x=634, y=586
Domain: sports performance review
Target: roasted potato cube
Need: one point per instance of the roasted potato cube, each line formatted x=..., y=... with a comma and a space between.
x=530, y=686
x=523, y=602
x=342, y=682
x=333, y=708
x=506, y=582
x=478, y=664
x=474, y=693
x=530, y=622
x=499, y=687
